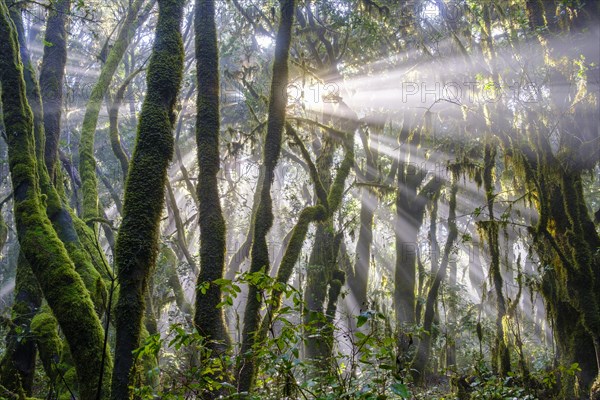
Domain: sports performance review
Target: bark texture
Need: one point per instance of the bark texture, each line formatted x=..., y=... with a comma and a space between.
x=208, y=318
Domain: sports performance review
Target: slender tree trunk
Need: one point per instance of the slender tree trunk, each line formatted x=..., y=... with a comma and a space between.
x=113, y=121
x=451, y=332
x=244, y=251
x=500, y=352
x=52, y=75
x=424, y=349
x=137, y=241
x=246, y=373
x=409, y=217
x=87, y=161
x=208, y=317
x=168, y=261
x=180, y=229
x=359, y=281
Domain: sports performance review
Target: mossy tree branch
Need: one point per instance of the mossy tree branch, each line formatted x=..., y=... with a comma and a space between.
x=312, y=169
x=113, y=120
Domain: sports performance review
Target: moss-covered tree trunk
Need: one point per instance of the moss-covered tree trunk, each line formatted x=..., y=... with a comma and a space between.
x=17, y=367
x=324, y=278
x=87, y=161
x=573, y=340
x=62, y=219
x=208, y=318
x=263, y=219
x=137, y=241
x=424, y=348
x=410, y=211
x=490, y=232
x=62, y=287
x=358, y=281
x=51, y=81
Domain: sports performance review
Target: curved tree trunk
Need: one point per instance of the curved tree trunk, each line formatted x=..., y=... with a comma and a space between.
x=87, y=161
x=264, y=214
x=113, y=121
x=137, y=241
x=61, y=285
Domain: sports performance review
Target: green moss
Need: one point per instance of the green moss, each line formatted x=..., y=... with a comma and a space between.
x=208, y=317
x=137, y=241
x=62, y=286
x=87, y=161
x=44, y=327
x=51, y=81
x=18, y=362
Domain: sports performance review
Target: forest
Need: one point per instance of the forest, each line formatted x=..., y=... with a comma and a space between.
x=300, y=199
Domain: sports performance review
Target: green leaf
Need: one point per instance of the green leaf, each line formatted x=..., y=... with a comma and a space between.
x=400, y=389
x=362, y=319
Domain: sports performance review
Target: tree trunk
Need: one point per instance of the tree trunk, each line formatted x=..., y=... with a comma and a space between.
x=137, y=241
x=17, y=367
x=246, y=373
x=409, y=217
x=87, y=161
x=61, y=285
x=424, y=348
x=51, y=81
x=359, y=281
x=500, y=351
x=208, y=317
